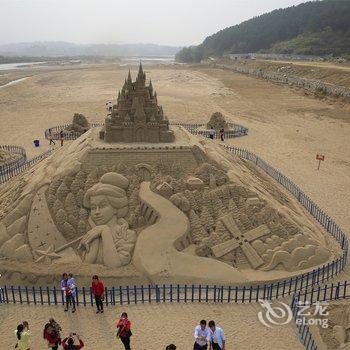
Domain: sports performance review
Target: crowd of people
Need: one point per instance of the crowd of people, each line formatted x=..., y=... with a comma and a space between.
x=205, y=337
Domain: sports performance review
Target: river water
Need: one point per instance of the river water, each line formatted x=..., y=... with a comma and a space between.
x=11, y=66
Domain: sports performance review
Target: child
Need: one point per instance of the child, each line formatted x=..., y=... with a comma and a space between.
x=124, y=330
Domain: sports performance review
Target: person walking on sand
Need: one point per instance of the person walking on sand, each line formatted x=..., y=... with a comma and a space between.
x=98, y=291
x=217, y=337
x=124, y=330
x=68, y=343
x=222, y=134
x=61, y=137
x=51, y=336
x=23, y=337
x=69, y=292
x=52, y=142
x=211, y=133
x=201, y=336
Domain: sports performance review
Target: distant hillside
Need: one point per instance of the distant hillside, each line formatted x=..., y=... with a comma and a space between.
x=65, y=49
x=296, y=29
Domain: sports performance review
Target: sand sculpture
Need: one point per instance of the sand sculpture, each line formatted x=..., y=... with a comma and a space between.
x=155, y=213
x=137, y=117
x=110, y=241
x=217, y=121
x=79, y=123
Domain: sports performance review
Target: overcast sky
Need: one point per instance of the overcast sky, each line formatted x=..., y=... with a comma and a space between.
x=176, y=22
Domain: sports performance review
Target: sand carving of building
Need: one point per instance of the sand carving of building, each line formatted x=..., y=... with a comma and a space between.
x=137, y=117
x=184, y=212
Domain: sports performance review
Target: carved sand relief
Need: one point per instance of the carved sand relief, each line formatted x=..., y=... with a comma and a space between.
x=230, y=223
x=157, y=216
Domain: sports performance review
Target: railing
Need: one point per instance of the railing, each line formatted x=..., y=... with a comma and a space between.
x=8, y=166
x=20, y=168
x=235, y=130
x=305, y=335
x=67, y=135
x=335, y=291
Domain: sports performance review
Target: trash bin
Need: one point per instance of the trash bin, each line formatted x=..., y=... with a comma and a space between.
x=36, y=143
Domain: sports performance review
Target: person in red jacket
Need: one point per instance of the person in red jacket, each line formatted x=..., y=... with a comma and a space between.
x=68, y=343
x=124, y=330
x=52, y=336
x=98, y=290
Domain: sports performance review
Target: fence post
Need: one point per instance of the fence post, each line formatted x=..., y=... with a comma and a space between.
x=121, y=294
x=84, y=297
x=128, y=294
x=48, y=295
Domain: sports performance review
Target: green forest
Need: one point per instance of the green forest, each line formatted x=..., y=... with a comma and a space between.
x=313, y=28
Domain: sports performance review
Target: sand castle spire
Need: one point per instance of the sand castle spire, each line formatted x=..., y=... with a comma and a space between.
x=140, y=69
x=141, y=76
x=150, y=87
x=129, y=77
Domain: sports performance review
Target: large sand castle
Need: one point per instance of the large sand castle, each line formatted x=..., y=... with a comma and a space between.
x=153, y=211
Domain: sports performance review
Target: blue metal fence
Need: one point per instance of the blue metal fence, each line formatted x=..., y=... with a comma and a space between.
x=302, y=326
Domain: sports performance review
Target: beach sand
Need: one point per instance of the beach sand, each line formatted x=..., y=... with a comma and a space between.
x=153, y=325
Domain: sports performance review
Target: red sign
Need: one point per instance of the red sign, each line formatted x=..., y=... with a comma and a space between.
x=320, y=157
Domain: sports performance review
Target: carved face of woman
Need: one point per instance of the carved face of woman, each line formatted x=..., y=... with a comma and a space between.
x=101, y=210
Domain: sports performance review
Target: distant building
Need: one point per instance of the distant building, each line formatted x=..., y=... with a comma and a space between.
x=137, y=117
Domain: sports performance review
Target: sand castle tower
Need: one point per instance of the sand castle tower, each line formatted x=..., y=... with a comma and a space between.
x=137, y=117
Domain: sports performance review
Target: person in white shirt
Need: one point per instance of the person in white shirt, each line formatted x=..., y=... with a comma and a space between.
x=109, y=106
x=217, y=337
x=202, y=336
x=212, y=133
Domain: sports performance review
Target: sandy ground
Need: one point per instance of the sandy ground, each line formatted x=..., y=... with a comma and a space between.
x=286, y=128
x=153, y=326
x=324, y=65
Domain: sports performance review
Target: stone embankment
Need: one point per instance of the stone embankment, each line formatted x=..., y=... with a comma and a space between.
x=315, y=86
